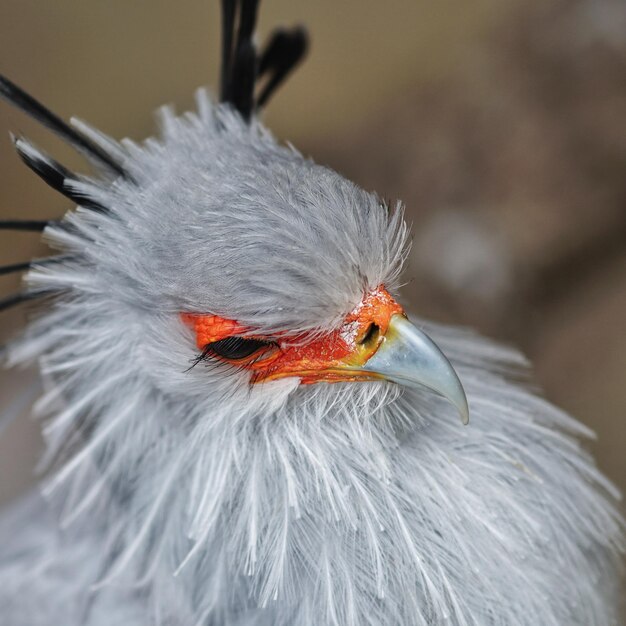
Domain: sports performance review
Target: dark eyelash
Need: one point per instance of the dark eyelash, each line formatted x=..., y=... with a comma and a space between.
x=236, y=348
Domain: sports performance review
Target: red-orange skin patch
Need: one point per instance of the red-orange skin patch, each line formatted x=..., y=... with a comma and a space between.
x=210, y=328
x=312, y=358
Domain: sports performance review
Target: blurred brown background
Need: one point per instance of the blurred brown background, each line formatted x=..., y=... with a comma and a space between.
x=500, y=123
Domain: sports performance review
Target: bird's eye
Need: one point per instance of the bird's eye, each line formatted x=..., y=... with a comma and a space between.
x=236, y=348
x=371, y=334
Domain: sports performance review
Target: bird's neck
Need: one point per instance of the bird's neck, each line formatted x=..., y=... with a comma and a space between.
x=270, y=503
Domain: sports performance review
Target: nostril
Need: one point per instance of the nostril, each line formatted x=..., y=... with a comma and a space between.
x=371, y=334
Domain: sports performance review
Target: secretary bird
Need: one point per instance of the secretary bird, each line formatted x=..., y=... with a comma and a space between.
x=244, y=428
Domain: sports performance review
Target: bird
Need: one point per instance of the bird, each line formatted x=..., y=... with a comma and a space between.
x=244, y=425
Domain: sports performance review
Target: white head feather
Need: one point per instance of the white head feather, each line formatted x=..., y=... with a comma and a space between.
x=188, y=496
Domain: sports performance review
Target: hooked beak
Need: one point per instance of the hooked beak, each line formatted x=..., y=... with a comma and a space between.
x=409, y=357
x=376, y=342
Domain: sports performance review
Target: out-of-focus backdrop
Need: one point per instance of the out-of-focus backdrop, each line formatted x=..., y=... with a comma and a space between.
x=500, y=123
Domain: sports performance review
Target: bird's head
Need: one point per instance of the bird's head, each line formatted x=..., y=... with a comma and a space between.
x=222, y=261
x=244, y=426
x=223, y=344
x=222, y=332
x=247, y=265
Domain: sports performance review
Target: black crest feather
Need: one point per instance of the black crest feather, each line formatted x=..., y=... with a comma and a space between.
x=22, y=267
x=25, y=102
x=21, y=297
x=242, y=67
x=285, y=49
x=26, y=225
x=52, y=172
x=15, y=267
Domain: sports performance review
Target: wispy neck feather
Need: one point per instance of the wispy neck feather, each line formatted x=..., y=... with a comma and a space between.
x=347, y=505
x=201, y=501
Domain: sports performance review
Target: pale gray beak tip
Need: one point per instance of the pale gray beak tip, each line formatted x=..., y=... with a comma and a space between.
x=463, y=409
x=409, y=357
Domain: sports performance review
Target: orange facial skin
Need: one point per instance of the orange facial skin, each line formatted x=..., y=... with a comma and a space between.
x=210, y=328
x=312, y=358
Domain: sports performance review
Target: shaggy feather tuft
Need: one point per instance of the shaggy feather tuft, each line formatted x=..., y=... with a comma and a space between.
x=185, y=495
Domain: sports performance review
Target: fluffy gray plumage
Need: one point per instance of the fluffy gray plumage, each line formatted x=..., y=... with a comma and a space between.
x=187, y=496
